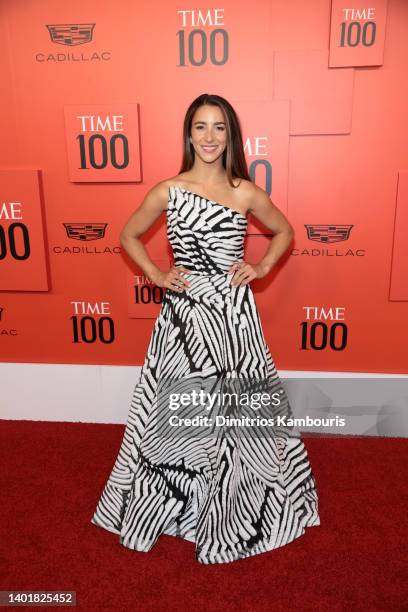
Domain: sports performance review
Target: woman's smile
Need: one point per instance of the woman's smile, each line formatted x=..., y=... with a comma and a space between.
x=209, y=148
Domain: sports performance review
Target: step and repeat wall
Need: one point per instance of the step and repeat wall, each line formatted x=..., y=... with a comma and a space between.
x=93, y=99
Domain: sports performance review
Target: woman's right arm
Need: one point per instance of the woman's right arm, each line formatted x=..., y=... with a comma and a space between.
x=152, y=206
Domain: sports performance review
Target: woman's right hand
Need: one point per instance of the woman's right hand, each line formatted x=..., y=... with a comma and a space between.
x=172, y=279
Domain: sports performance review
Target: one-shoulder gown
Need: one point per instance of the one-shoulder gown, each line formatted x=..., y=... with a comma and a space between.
x=232, y=496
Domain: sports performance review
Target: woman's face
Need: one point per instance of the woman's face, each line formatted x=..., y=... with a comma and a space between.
x=208, y=132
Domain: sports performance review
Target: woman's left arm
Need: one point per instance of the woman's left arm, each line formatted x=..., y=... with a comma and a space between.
x=262, y=207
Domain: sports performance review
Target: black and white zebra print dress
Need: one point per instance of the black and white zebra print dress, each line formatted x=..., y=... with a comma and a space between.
x=232, y=496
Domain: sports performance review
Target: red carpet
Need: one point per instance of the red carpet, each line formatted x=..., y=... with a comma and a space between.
x=53, y=473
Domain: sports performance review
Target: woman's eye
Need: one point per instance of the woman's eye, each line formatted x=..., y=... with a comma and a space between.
x=219, y=127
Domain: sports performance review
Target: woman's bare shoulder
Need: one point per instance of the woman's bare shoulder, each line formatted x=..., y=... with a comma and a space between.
x=158, y=195
x=251, y=190
x=179, y=180
x=245, y=192
x=242, y=184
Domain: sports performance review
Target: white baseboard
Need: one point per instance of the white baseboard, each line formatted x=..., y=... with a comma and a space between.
x=102, y=394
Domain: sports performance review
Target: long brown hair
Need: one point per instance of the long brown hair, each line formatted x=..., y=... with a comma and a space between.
x=233, y=156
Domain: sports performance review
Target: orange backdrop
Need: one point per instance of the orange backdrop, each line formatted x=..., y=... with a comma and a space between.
x=93, y=99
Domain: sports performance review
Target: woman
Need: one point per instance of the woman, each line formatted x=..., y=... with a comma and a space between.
x=233, y=491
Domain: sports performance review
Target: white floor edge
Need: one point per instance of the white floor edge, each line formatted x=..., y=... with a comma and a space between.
x=102, y=393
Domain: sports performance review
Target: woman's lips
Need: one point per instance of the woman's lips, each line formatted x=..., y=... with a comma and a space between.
x=208, y=148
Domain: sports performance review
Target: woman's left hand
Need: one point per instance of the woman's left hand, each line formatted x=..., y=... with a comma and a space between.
x=245, y=272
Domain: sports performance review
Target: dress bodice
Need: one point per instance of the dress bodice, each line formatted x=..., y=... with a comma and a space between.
x=206, y=237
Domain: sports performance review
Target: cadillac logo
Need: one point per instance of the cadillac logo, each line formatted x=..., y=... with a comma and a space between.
x=328, y=233
x=71, y=34
x=85, y=231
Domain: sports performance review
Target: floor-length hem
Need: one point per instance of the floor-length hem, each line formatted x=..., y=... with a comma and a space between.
x=228, y=557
